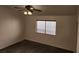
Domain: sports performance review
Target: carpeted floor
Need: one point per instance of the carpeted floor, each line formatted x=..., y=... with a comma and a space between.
x=32, y=47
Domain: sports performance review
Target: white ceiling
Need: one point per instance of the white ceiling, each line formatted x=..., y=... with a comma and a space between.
x=53, y=9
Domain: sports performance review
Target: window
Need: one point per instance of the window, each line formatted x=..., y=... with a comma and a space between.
x=41, y=26
x=46, y=27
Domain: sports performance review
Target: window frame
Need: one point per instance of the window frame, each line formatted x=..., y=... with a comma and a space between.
x=45, y=27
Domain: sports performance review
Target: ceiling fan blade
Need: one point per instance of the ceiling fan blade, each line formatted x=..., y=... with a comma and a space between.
x=20, y=10
x=18, y=7
x=37, y=10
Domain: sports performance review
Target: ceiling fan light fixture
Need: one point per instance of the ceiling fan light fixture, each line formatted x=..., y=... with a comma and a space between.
x=29, y=13
x=31, y=8
x=25, y=12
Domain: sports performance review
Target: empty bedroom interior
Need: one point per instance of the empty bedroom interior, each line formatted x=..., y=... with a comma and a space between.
x=19, y=31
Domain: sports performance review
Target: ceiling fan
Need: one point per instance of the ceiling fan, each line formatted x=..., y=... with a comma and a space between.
x=28, y=9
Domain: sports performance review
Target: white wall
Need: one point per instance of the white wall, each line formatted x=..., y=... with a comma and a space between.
x=78, y=30
x=65, y=34
x=11, y=27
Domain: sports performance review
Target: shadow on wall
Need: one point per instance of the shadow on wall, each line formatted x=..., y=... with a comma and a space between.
x=11, y=27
